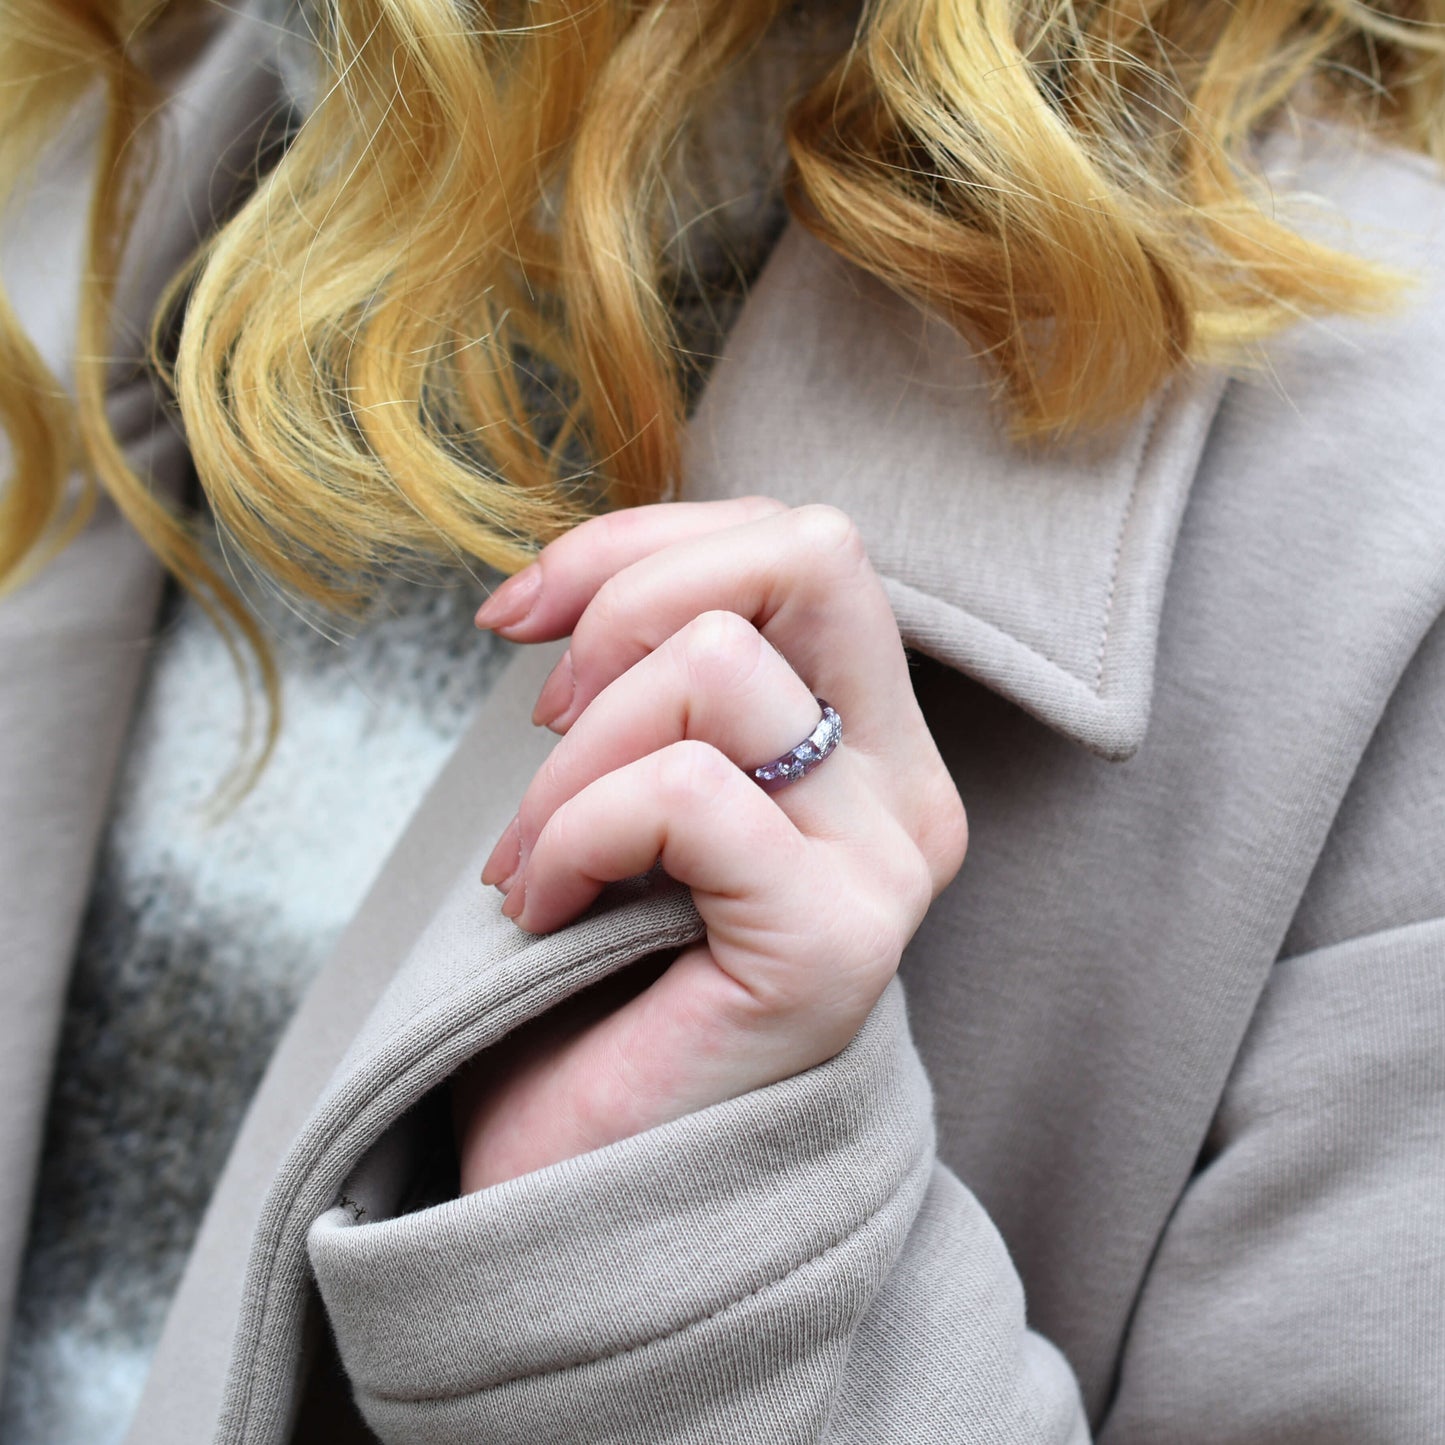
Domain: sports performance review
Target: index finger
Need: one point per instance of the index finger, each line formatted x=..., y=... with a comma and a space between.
x=573, y=567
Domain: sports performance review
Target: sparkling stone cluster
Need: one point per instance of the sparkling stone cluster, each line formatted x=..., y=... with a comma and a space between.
x=808, y=754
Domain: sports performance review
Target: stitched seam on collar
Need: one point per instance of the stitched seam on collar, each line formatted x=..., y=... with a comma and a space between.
x=1144, y=456
x=995, y=630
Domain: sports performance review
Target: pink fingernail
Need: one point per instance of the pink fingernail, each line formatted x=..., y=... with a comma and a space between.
x=512, y=601
x=503, y=860
x=517, y=899
x=557, y=692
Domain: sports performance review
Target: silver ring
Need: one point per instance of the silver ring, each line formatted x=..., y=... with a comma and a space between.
x=806, y=756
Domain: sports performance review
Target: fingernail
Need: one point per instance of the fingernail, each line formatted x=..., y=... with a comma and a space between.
x=503, y=860
x=512, y=601
x=516, y=900
x=557, y=693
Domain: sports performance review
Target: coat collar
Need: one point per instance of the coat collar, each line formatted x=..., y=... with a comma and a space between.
x=1039, y=572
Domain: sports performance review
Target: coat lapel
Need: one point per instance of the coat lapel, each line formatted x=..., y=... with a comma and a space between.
x=1039, y=571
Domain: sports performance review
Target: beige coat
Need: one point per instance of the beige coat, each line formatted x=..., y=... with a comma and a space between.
x=1153, y=1150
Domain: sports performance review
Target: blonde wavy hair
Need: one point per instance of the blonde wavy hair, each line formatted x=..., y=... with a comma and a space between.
x=443, y=323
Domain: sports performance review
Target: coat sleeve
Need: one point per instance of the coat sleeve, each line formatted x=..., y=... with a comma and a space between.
x=792, y=1265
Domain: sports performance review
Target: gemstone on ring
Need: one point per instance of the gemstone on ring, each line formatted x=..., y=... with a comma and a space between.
x=807, y=754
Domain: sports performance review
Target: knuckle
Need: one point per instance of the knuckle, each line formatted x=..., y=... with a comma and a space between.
x=830, y=532
x=909, y=893
x=720, y=650
x=558, y=839
x=607, y=619
x=760, y=506
x=918, y=895
x=600, y=533
x=616, y=527
x=692, y=774
x=606, y=609
x=944, y=836
x=568, y=840
x=547, y=787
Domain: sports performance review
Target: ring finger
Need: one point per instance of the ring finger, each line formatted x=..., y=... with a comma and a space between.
x=716, y=681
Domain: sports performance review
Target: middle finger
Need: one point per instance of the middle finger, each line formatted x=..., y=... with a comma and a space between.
x=802, y=578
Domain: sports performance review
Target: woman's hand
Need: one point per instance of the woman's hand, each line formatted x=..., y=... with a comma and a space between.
x=700, y=635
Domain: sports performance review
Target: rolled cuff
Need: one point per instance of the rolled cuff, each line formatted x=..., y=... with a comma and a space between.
x=735, y=1243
